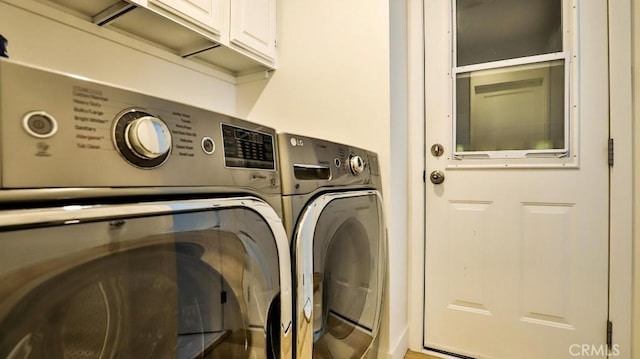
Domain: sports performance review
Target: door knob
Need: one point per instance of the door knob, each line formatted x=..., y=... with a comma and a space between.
x=436, y=177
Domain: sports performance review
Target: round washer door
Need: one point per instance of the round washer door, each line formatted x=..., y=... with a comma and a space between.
x=341, y=262
x=180, y=279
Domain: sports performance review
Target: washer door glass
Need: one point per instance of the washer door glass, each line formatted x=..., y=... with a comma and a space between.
x=348, y=277
x=199, y=284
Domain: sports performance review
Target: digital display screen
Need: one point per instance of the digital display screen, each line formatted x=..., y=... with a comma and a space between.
x=245, y=148
x=245, y=135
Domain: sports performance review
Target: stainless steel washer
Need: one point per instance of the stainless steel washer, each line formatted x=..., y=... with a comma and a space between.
x=332, y=206
x=136, y=227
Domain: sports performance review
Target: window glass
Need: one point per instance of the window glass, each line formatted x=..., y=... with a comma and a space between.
x=492, y=30
x=513, y=108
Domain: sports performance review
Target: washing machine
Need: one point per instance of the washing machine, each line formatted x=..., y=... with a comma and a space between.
x=333, y=213
x=136, y=227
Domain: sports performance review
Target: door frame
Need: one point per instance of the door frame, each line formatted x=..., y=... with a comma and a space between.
x=621, y=174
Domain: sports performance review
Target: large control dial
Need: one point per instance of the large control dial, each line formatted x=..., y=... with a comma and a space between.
x=142, y=139
x=148, y=137
x=356, y=164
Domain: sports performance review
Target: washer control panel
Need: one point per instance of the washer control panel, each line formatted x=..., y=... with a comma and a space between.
x=71, y=132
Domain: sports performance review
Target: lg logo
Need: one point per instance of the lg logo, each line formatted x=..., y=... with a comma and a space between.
x=591, y=350
x=296, y=142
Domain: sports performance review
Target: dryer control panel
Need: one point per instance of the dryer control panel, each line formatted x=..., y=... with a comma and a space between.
x=61, y=131
x=308, y=164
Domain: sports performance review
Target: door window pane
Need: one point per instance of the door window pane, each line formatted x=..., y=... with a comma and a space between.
x=510, y=109
x=492, y=30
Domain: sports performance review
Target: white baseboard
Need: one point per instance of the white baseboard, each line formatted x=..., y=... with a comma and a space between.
x=400, y=348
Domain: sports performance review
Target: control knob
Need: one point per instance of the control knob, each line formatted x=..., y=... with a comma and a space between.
x=356, y=164
x=148, y=137
x=142, y=139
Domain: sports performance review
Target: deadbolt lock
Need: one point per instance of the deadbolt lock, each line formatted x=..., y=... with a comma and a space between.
x=437, y=150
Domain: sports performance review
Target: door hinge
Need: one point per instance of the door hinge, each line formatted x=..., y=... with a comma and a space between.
x=424, y=176
x=609, y=334
x=223, y=297
x=610, y=152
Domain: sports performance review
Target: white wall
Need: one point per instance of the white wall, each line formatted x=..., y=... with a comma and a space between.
x=332, y=82
x=40, y=41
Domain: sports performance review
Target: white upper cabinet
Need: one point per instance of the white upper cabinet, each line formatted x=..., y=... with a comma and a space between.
x=237, y=37
x=253, y=26
x=247, y=26
x=206, y=13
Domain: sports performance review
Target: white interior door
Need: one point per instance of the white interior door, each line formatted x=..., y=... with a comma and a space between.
x=516, y=262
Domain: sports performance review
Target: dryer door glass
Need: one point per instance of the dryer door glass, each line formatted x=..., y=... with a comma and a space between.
x=198, y=284
x=348, y=273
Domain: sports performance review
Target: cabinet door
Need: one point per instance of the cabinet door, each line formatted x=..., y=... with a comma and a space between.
x=209, y=13
x=253, y=26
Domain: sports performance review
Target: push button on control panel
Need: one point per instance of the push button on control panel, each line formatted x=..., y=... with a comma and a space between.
x=208, y=146
x=40, y=124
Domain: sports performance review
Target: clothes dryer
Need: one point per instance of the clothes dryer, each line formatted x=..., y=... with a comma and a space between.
x=333, y=212
x=136, y=227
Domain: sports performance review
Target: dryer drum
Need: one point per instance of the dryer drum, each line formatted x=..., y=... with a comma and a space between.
x=345, y=307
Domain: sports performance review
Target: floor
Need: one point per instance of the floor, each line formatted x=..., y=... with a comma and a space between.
x=414, y=355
